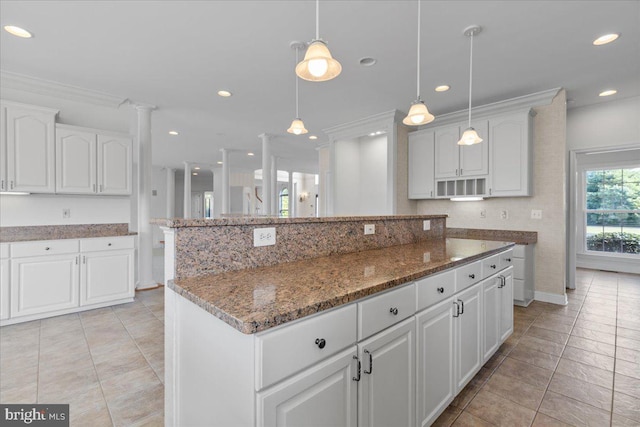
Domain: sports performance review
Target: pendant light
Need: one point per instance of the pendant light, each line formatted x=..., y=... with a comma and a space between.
x=418, y=113
x=297, y=126
x=470, y=136
x=318, y=65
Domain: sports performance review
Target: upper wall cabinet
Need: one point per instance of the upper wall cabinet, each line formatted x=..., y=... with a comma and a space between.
x=510, y=152
x=27, y=144
x=91, y=162
x=453, y=160
x=421, y=164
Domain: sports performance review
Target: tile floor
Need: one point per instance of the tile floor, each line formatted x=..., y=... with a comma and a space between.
x=108, y=364
x=575, y=365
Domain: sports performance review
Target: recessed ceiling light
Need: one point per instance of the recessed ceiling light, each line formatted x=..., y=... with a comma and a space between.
x=368, y=62
x=250, y=154
x=219, y=163
x=608, y=92
x=197, y=168
x=442, y=88
x=174, y=132
x=607, y=38
x=195, y=173
x=313, y=137
x=224, y=93
x=17, y=31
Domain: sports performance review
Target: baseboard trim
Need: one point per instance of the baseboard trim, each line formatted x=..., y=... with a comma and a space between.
x=552, y=298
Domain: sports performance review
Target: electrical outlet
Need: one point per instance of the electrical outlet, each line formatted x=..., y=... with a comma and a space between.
x=264, y=236
x=483, y=213
x=369, y=270
x=536, y=214
x=66, y=213
x=504, y=214
x=426, y=257
x=369, y=229
x=426, y=224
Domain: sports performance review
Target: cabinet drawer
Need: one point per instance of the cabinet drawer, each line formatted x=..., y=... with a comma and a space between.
x=518, y=289
x=518, y=251
x=490, y=265
x=44, y=247
x=506, y=259
x=4, y=250
x=467, y=275
x=435, y=288
x=290, y=348
x=106, y=243
x=518, y=268
x=381, y=311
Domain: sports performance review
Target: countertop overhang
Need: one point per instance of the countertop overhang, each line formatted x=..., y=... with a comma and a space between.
x=60, y=232
x=256, y=299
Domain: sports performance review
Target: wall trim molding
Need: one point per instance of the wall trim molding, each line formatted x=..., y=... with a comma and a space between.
x=362, y=127
x=551, y=298
x=54, y=89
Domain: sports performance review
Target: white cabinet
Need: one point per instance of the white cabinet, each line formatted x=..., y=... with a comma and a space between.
x=506, y=305
x=523, y=274
x=106, y=276
x=90, y=162
x=386, y=391
x=421, y=164
x=511, y=137
x=323, y=395
x=497, y=311
x=28, y=138
x=453, y=160
x=468, y=335
x=4, y=281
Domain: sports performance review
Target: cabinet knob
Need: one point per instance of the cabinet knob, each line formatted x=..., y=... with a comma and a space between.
x=47, y=248
x=109, y=244
x=440, y=290
x=508, y=259
x=394, y=311
x=472, y=276
x=321, y=342
x=493, y=266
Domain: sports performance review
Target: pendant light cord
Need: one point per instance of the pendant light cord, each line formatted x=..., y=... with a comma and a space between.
x=470, y=75
x=296, y=77
x=317, y=19
x=418, y=62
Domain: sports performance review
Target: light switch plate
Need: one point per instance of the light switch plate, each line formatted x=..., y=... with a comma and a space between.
x=369, y=229
x=426, y=224
x=536, y=214
x=264, y=236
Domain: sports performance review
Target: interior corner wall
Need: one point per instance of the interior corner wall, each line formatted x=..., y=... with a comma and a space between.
x=549, y=177
x=404, y=205
x=346, y=174
x=158, y=200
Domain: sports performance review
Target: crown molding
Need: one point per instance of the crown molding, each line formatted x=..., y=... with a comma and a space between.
x=382, y=121
x=39, y=86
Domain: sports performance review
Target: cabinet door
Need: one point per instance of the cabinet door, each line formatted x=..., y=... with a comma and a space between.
x=4, y=184
x=323, y=395
x=75, y=162
x=474, y=159
x=446, y=152
x=435, y=364
x=421, y=164
x=506, y=306
x=43, y=284
x=114, y=165
x=510, y=155
x=468, y=335
x=106, y=276
x=4, y=289
x=491, y=300
x=386, y=395
x=30, y=150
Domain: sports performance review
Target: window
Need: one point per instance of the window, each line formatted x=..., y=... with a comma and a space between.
x=612, y=210
x=283, y=203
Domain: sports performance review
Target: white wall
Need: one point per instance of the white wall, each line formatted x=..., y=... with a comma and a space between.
x=347, y=173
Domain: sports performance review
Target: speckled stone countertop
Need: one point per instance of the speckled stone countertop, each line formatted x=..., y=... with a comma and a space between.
x=56, y=232
x=519, y=237
x=256, y=299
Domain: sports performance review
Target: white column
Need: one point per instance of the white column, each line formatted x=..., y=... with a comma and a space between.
x=213, y=190
x=266, y=174
x=171, y=192
x=274, y=186
x=145, y=179
x=187, y=190
x=225, y=182
x=292, y=200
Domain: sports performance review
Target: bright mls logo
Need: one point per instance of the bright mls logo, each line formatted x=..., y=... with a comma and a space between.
x=34, y=415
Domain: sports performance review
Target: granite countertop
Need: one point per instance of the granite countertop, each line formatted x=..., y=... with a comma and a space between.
x=57, y=232
x=256, y=299
x=274, y=220
x=518, y=237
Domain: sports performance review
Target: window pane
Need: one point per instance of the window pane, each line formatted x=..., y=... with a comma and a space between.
x=594, y=185
x=631, y=233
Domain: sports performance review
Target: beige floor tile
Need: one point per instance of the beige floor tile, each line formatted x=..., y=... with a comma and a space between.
x=530, y=374
x=620, y=421
x=541, y=345
x=65, y=384
x=628, y=355
x=594, y=326
x=137, y=317
x=447, y=417
x=130, y=381
x=543, y=420
x=627, y=385
x=127, y=409
x=593, y=346
x=19, y=328
x=64, y=362
x=89, y=399
x=18, y=378
x=629, y=343
x=586, y=373
x=628, y=368
x=599, y=317
x=627, y=406
x=106, y=320
x=467, y=394
x=153, y=420
x=533, y=357
x=25, y=393
x=494, y=361
x=585, y=392
x=552, y=325
x=628, y=333
x=564, y=317
x=123, y=343
x=572, y=411
x=93, y=418
x=588, y=358
x=152, y=327
x=117, y=364
x=467, y=420
x=553, y=336
x=629, y=324
x=517, y=391
x=499, y=411
x=594, y=335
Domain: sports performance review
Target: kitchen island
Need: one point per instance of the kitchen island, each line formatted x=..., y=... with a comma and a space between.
x=296, y=343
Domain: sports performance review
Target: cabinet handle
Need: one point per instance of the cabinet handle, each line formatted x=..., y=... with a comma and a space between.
x=493, y=266
x=440, y=290
x=472, y=276
x=370, y=363
x=358, y=364
x=320, y=342
x=462, y=304
x=394, y=311
x=2, y=184
x=100, y=186
x=84, y=259
x=456, y=172
x=508, y=259
x=503, y=281
x=457, y=309
x=461, y=172
x=77, y=260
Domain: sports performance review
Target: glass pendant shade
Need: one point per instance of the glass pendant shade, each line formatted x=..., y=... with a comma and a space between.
x=470, y=137
x=418, y=115
x=297, y=127
x=318, y=65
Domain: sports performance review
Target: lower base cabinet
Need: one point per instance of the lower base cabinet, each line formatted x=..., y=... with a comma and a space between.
x=106, y=276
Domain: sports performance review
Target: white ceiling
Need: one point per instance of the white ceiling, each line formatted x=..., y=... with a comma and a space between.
x=178, y=54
